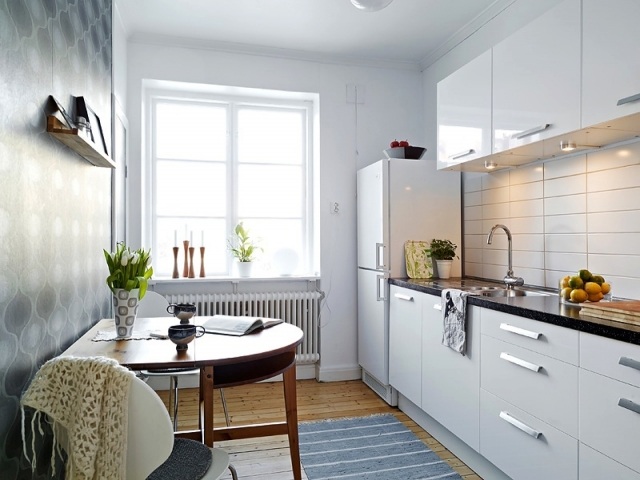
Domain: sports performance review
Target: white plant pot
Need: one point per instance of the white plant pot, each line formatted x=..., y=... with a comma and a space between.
x=444, y=268
x=244, y=268
x=125, y=309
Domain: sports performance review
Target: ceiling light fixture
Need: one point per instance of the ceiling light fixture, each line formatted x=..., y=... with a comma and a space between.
x=370, y=5
x=490, y=164
x=567, y=146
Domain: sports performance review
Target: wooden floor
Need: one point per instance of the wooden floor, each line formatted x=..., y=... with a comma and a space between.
x=268, y=458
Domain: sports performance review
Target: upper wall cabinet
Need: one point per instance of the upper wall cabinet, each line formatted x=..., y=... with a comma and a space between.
x=536, y=79
x=464, y=113
x=611, y=62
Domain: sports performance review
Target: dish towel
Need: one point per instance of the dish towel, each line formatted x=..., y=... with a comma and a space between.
x=454, y=319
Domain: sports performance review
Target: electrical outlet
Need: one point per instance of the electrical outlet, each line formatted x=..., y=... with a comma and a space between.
x=334, y=208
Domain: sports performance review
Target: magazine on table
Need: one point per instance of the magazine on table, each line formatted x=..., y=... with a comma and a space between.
x=237, y=325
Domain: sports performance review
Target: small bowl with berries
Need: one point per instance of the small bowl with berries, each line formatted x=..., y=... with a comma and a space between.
x=402, y=149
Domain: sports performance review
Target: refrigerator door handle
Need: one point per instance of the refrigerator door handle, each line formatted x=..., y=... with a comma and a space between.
x=379, y=257
x=380, y=280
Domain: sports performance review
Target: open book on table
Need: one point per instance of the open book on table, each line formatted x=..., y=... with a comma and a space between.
x=237, y=325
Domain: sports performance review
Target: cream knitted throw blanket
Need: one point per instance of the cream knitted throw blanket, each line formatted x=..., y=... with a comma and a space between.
x=86, y=402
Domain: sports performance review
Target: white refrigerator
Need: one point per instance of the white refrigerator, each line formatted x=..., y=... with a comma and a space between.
x=397, y=200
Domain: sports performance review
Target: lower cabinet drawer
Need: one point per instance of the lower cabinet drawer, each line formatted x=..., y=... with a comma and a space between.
x=610, y=418
x=522, y=446
x=596, y=466
x=543, y=386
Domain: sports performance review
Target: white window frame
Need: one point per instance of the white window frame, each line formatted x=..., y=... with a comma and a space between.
x=234, y=98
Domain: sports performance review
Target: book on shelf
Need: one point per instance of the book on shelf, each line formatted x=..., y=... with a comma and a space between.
x=237, y=325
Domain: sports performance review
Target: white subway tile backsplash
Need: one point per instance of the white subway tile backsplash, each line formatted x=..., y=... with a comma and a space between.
x=566, y=243
x=614, y=157
x=525, y=174
x=614, y=179
x=527, y=208
x=495, y=195
x=498, y=211
x=580, y=211
x=565, y=186
x=614, y=243
x=565, y=167
x=565, y=205
x=526, y=191
x=565, y=223
x=614, y=200
x=614, y=222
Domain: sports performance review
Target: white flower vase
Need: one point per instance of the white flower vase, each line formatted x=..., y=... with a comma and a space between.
x=244, y=269
x=444, y=268
x=125, y=306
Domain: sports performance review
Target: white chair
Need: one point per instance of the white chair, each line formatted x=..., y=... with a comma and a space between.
x=155, y=305
x=150, y=441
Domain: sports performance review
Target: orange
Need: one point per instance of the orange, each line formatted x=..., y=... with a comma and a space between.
x=576, y=282
x=578, y=295
x=606, y=288
x=565, y=281
x=592, y=288
x=596, y=297
x=565, y=293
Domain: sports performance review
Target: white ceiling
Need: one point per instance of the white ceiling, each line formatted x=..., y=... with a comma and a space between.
x=407, y=33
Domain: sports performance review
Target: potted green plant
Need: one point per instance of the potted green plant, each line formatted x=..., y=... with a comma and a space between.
x=129, y=273
x=443, y=252
x=243, y=248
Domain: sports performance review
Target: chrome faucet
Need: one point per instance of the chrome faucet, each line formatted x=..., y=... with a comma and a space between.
x=509, y=280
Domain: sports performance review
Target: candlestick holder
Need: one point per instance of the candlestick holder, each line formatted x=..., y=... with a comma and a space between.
x=176, y=274
x=192, y=273
x=202, y=262
x=185, y=268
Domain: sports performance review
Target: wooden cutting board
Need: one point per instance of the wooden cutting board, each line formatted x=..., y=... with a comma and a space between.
x=622, y=311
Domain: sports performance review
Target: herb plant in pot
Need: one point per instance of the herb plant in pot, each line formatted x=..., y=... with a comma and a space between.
x=129, y=273
x=443, y=252
x=243, y=248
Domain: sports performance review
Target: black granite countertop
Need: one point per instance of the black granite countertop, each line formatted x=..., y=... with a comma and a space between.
x=544, y=308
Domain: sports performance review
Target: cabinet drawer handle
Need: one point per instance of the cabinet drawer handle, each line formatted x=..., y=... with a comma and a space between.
x=401, y=296
x=437, y=306
x=629, y=405
x=520, y=331
x=629, y=362
x=522, y=363
x=531, y=131
x=518, y=424
x=632, y=98
x=466, y=153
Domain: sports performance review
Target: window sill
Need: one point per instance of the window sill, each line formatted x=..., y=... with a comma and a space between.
x=230, y=279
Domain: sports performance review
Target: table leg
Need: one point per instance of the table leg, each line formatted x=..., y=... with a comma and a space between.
x=206, y=405
x=291, y=407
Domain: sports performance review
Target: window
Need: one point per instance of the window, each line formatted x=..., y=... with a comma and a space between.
x=218, y=160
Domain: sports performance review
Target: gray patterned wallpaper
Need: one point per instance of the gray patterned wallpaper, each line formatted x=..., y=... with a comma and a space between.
x=55, y=207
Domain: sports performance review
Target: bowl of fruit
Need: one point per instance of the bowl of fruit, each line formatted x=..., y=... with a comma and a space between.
x=402, y=149
x=584, y=287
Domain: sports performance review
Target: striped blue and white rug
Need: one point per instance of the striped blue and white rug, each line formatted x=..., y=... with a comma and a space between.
x=378, y=447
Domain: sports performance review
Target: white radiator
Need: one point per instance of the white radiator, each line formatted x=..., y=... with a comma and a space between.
x=301, y=309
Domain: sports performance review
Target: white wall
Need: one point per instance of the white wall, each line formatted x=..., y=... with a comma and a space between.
x=392, y=109
x=119, y=53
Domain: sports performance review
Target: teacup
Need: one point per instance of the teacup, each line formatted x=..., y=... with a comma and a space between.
x=182, y=335
x=183, y=311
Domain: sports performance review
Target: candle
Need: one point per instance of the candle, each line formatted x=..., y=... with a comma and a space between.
x=202, y=239
x=191, y=238
x=175, y=238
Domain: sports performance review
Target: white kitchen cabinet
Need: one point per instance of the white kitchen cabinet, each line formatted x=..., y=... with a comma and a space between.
x=523, y=446
x=536, y=79
x=595, y=466
x=464, y=113
x=405, y=345
x=451, y=381
x=611, y=64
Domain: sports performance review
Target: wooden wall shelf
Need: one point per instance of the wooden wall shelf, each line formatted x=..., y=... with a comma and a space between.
x=78, y=143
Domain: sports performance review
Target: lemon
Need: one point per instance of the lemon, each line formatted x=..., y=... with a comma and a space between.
x=599, y=279
x=576, y=282
x=565, y=293
x=585, y=275
x=578, y=295
x=596, y=297
x=606, y=288
x=592, y=288
x=564, y=283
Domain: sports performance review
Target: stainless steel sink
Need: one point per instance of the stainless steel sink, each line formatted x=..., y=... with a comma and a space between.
x=503, y=292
